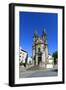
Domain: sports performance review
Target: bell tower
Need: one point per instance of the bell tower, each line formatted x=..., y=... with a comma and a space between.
x=35, y=38
x=44, y=36
x=45, y=48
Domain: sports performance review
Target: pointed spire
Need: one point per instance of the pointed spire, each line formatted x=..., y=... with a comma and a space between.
x=35, y=33
x=44, y=32
x=35, y=37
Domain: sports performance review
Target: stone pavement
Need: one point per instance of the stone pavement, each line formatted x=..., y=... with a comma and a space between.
x=37, y=73
x=26, y=74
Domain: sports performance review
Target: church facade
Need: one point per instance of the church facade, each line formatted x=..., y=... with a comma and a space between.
x=40, y=55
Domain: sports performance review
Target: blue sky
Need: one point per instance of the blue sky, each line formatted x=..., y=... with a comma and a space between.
x=31, y=22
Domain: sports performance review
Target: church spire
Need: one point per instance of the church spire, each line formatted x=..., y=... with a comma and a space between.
x=35, y=36
x=44, y=36
x=43, y=33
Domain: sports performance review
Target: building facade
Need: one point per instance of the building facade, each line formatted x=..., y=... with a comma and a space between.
x=40, y=50
x=23, y=56
x=29, y=61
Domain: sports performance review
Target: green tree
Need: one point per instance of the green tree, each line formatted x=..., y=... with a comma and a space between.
x=55, y=56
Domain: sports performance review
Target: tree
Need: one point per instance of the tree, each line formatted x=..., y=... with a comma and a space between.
x=55, y=56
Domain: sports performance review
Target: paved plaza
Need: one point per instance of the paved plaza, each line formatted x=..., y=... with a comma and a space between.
x=37, y=73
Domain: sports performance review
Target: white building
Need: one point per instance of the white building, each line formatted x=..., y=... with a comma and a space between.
x=23, y=56
x=29, y=61
x=50, y=62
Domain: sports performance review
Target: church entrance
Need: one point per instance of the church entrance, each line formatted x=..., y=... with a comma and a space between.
x=39, y=60
x=39, y=56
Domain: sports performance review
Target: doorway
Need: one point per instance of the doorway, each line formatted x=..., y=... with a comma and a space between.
x=39, y=56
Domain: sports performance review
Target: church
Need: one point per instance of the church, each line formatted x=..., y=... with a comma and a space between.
x=40, y=56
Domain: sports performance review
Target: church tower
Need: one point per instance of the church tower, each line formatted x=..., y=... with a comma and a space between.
x=35, y=38
x=44, y=38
